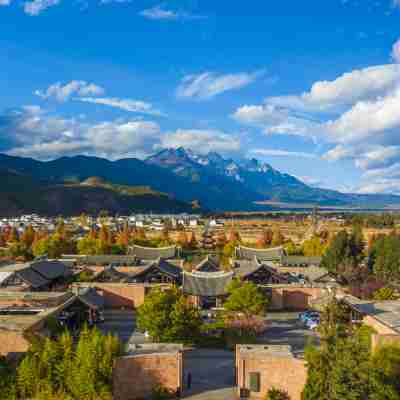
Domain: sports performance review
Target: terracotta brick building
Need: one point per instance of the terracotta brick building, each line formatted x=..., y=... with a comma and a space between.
x=260, y=368
x=145, y=367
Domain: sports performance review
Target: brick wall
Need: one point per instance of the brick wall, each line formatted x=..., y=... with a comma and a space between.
x=12, y=343
x=134, y=377
x=294, y=298
x=285, y=373
x=384, y=340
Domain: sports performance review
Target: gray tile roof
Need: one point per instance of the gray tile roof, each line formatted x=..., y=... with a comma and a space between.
x=386, y=312
x=301, y=261
x=209, y=264
x=206, y=284
x=162, y=265
x=148, y=253
x=125, y=260
x=271, y=254
x=50, y=269
x=32, y=278
x=91, y=298
x=246, y=268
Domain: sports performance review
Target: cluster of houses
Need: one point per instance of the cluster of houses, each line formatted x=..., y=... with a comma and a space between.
x=34, y=295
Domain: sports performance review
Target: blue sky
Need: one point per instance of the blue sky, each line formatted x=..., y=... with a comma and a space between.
x=312, y=87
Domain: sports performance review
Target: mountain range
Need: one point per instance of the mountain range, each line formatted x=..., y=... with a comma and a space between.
x=169, y=180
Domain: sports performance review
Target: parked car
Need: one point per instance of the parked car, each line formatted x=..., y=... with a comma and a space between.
x=304, y=316
x=312, y=323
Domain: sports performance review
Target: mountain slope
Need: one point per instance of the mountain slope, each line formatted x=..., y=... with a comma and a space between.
x=217, y=183
x=211, y=191
x=21, y=194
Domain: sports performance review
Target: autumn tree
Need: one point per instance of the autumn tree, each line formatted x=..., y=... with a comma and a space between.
x=277, y=237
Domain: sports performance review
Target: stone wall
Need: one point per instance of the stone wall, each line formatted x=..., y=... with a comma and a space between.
x=135, y=376
x=285, y=373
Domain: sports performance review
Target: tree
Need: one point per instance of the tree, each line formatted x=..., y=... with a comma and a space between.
x=28, y=236
x=57, y=369
x=384, y=257
x=277, y=394
x=343, y=255
x=277, y=237
x=54, y=246
x=385, y=293
x=88, y=246
x=314, y=247
x=185, y=321
x=265, y=239
x=20, y=250
x=385, y=374
x=167, y=316
x=245, y=298
x=13, y=236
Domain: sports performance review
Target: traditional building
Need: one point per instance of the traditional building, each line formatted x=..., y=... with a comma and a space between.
x=207, y=241
x=25, y=315
x=149, y=253
x=33, y=276
x=208, y=288
x=209, y=264
x=258, y=273
x=300, y=261
x=271, y=254
x=157, y=271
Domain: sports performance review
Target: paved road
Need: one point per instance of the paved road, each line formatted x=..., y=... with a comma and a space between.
x=212, y=371
x=285, y=328
x=122, y=323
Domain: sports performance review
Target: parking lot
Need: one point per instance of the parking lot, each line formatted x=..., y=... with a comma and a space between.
x=285, y=328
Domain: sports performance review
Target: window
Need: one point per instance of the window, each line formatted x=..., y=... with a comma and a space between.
x=255, y=381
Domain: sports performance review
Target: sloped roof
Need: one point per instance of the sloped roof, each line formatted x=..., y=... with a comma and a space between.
x=4, y=275
x=315, y=273
x=163, y=266
x=300, y=260
x=206, y=284
x=91, y=298
x=208, y=264
x=149, y=253
x=107, y=260
x=246, y=268
x=50, y=269
x=32, y=278
x=271, y=254
x=387, y=312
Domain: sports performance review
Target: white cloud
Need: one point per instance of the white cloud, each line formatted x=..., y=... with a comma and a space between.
x=160, y=13
x=347, y=89
x=63, y=93
x=35, y=7
x=208, y=84
x=5, y=2
x=387, y=186
x=396, y=50
x=276, y=120
x=33, y=132
x=124, y=104
x=282, y=153
x=203, y=141
x=377, y=121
